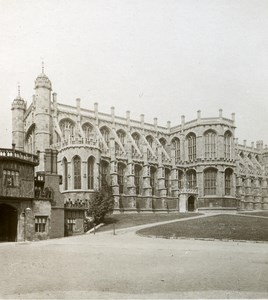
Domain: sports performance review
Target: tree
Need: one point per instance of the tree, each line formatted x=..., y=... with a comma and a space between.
x=101, y=204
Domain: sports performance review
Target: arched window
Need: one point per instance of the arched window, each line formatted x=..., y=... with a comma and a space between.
x=121, y=135
x=90, y=173
x=191, y=139
x=228, y=181
x=210, y=144
x=176, y=145
x=180, y=179
x=191, y=179
x=210, y=179
x=227, y=144
x=65, y=173
x=104, y=172
x=152, y=180
x=88, y=130
x=77, y=172
x=106, y=135
x=136, y=139
x=137, y=178
x=30, y=140
x=167, y=180
x=67, y=128
x=121, y=177
x=30, y=144
x=150, y=140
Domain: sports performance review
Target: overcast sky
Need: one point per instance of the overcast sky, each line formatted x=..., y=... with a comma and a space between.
x=162, y=58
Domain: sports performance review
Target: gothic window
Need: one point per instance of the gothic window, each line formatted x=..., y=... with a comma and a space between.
x=150, y=141
x=176, y=145
x=228, y=180
x=136, y=139
x=104, y=172
x=121, y=135
x=137, y=178
x=227, y=145
x=191, y=139
x=167, y=181
x=90, y=173
x=67, y=128
x=210, y=179
x=121, y=177
x=180, y=179
x=30, y=140
x=88, y=130
x=106, y=135
x=65, y=173
x=210, y=144
x=77, y=172
x=191, y=179
x=152, y=179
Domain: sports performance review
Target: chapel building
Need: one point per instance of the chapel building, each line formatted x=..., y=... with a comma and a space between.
x=192, y=166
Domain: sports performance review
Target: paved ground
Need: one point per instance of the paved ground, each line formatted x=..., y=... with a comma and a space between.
x=130, y=266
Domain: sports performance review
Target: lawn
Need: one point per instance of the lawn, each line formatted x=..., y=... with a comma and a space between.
x=255, y=213
x=130, y=220
x=231, y=227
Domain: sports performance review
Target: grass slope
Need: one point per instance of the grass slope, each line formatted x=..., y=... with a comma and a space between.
x=130, y=220
x=232, y=227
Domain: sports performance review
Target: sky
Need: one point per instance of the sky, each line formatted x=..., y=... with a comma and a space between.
x=160, y=58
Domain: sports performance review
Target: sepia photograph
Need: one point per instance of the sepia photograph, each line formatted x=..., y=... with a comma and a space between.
x=134, y=149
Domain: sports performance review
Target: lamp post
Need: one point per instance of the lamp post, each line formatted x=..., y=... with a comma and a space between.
x=26, y=211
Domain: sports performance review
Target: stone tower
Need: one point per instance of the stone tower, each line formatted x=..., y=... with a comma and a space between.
x=42, y=116
x=18, y=111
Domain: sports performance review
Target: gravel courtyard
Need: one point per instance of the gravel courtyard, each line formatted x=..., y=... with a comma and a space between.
x=129, y=266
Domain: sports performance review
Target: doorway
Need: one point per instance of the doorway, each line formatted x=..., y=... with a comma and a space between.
x=191, y=203
x=8, y=223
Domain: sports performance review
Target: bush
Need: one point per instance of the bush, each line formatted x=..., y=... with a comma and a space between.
x=101, y=204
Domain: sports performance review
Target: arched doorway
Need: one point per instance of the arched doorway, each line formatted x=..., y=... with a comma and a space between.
x=191, y=202
x=8, y=223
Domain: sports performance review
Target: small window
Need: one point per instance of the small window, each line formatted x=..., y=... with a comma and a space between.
x=71, y=224
x=40, y=224
x=11, y=178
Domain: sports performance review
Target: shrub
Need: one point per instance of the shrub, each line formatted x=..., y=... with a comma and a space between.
x=101, y=204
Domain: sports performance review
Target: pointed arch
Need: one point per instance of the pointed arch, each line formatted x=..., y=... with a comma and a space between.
x=67, y=127
x=176, y=146
x=65, y=173
x=210, y=137
x=227, y=144
x=210, y=181
x=88, y=130
x=90, y=172
x=191, y=143
x=77, y=172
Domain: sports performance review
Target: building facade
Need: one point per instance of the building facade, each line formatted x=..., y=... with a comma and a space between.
x=195, y=165
x=31, y=206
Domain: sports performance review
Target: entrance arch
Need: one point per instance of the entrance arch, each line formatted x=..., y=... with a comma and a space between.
x=191, y=203
x=8, y=223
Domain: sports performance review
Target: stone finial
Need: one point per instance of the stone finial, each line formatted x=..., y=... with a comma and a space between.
x=245, y=143
x=220, y=113
x=182, y=119
x=233, y=117
x=78, y=100
x=252, y=145
x=142, y=118
x=168, y=124
x=199, y=114
x=128, y=117
x=112, y=110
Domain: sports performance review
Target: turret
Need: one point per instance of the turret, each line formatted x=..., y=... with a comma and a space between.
x=18, y=111
x=43, y=135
